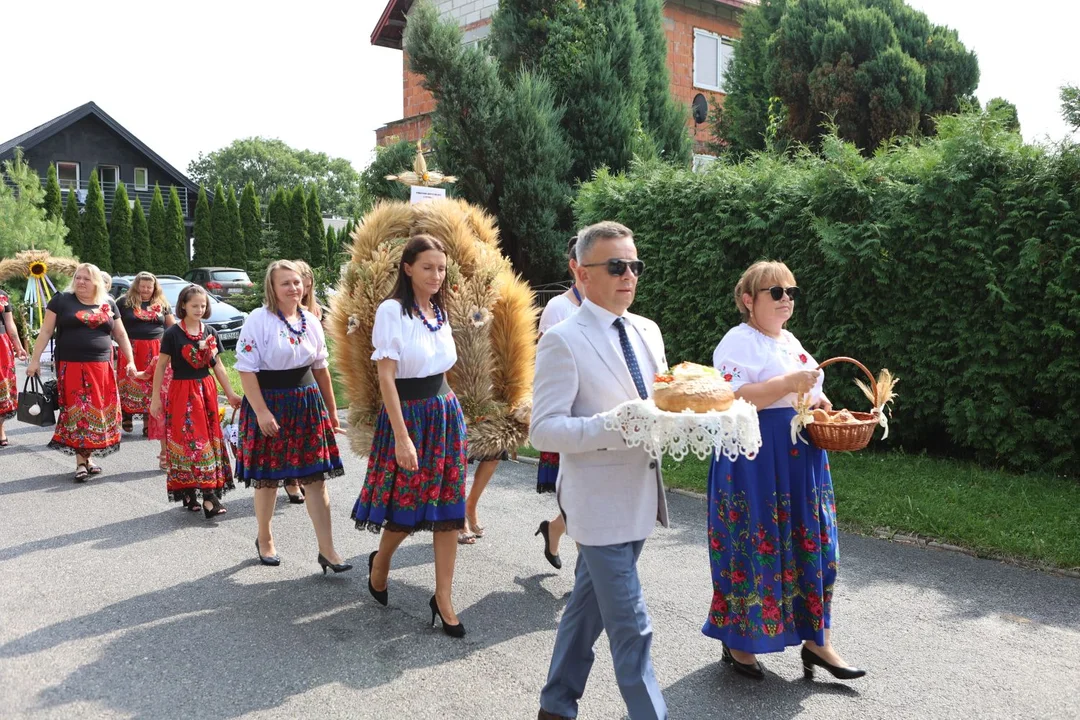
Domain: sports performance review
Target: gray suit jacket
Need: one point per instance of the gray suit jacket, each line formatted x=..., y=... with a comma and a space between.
x=608, y=492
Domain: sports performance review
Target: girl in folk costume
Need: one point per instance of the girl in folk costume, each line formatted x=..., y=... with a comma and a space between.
x=197, y=459
x=289, y=415
x=10, y=348
x=86, y=321
x=146, y=315
x=416, y=470
x=558, y=309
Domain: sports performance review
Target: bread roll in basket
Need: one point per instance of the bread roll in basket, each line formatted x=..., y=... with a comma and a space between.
x=697, y=388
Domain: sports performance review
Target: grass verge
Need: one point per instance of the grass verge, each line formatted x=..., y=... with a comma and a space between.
x=1032, y=517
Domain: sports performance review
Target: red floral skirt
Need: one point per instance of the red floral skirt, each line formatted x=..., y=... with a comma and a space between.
x=547, y=474
x=155, y=426
x=134, y=393
x=198, y=459
x=9, y=390
x=304, y=449
x=89, y=418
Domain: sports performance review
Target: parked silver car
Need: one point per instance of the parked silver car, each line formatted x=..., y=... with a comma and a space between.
x=224, y=318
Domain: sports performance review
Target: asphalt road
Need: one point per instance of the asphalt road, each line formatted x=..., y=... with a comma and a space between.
x=116, y=604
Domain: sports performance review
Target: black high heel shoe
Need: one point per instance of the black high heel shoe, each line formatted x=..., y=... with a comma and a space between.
x=755, y=671
x=454, y=631
x=810, y=659
x=324, y=563
x=271, y=560
x=381, y=596
x=553, y=559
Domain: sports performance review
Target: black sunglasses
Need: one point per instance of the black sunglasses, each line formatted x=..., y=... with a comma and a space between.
x=776, y=292
x=617, y=267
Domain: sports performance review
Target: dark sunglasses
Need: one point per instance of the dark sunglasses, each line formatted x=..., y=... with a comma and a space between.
x=776, y=292
x=617, y=267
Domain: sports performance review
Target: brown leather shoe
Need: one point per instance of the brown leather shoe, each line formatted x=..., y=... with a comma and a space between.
x=545, y=715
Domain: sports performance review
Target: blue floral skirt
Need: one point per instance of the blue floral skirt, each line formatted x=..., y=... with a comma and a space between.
x=548, y=472
x=772, y=543
x=433, y=497
x=304, y=449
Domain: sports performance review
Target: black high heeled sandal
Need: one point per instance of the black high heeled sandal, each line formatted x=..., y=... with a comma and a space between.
x=337, y=568
x=216, y=508
x=454, y=631
x=555, y=561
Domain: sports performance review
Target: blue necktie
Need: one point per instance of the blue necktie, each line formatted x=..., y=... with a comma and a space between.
x=631, y=359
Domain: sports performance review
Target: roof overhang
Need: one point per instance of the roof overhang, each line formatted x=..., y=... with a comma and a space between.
x=389, y=30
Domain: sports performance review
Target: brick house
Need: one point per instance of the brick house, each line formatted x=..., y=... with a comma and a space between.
x=699, y=33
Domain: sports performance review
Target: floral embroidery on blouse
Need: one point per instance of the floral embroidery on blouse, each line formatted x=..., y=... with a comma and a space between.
x=248, y=347
x=96, y=318
x=200, y=356
x=730, y=373
x=150, y=314
x=286, y=335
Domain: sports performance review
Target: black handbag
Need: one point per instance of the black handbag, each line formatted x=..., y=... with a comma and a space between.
x=35, y=408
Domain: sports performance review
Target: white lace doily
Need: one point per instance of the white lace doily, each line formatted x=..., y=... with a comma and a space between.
x=730, y=433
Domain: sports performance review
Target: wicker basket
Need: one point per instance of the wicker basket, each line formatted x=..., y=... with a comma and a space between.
x=843, y=437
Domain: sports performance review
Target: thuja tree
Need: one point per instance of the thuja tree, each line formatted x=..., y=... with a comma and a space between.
x=73, y=224
x=53, y=207
x=251, y=222
x=140, y=239
x=204, y=232
x=295, y=243
x=316, y=238
x=875, y=68
x=95, y=228
x=156, y=229
x=123, y=260
x=236, y=256
x=177, y=255
x=221, y=227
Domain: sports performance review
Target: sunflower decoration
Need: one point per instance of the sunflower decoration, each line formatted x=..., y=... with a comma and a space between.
x=35, y=266
x=491, y=311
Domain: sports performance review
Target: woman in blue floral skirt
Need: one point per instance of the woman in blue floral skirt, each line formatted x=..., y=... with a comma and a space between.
x=416, y=471
x=772, y=519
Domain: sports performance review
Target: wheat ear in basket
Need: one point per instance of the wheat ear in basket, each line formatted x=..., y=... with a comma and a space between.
x=850, y=436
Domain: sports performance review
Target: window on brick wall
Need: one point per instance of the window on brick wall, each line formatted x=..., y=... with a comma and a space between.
x=712, y=55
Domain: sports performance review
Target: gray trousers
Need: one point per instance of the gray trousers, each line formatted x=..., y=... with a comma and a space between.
x=607, y=597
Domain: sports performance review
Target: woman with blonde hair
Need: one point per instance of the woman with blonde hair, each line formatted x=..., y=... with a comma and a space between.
x=86, y=322
x=146, y=314
x=10, y=348
x=289, y=414
x=772, y=520
x=309, y=301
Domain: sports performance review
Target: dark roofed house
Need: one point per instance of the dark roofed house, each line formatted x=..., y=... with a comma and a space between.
x=87, y=139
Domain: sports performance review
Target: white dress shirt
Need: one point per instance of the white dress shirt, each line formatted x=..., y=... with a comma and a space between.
x=265, y=343
x=607, y=318
x=747, y=356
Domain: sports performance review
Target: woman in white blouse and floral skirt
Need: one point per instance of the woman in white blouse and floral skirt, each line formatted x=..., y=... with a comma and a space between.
x=416, y=471
x=289, y=415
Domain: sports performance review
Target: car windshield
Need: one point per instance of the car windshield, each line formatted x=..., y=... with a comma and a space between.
x=230, y=276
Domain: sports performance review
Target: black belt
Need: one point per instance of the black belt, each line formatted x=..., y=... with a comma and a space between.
x=421, y=388
x=285, y=379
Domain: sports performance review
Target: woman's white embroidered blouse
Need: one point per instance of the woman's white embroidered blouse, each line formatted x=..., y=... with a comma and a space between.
x=265, y=343
x=747, y=356
x=558, y=309
x=418, y=351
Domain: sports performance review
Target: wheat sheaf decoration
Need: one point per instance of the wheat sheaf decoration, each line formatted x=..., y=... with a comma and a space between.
x=491, y=312
x=34, y=266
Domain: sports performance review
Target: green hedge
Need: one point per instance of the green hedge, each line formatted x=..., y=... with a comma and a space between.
x=954, y=262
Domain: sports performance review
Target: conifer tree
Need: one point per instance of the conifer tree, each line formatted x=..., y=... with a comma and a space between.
x=123, y=261
x=251, y=221
x=278, y=215
x=204, y=232
x=295, y=244
x=95, y=228
x=53, y=207
x=221, y=227
x=74, y=225
x=178, y=252
x=142, y=258
x=156, y=230
x=332, y=249
x=316, y=237
x=662, y=116
x=237, y=253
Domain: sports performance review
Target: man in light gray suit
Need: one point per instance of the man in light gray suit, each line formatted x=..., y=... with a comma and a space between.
x=611, y=495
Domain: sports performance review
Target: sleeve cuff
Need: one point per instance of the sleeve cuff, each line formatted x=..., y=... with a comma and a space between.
x=386, y=355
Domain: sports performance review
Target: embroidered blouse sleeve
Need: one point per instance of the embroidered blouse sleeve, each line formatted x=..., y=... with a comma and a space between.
x=739, y=359
x=388, y=335
x=322, y=354
x=248, y=355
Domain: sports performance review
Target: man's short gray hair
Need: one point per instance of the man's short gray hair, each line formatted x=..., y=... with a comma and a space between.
x=606, y=230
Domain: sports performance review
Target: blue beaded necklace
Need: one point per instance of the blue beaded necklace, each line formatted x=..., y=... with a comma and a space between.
x=439, y=317
x=303, y=324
